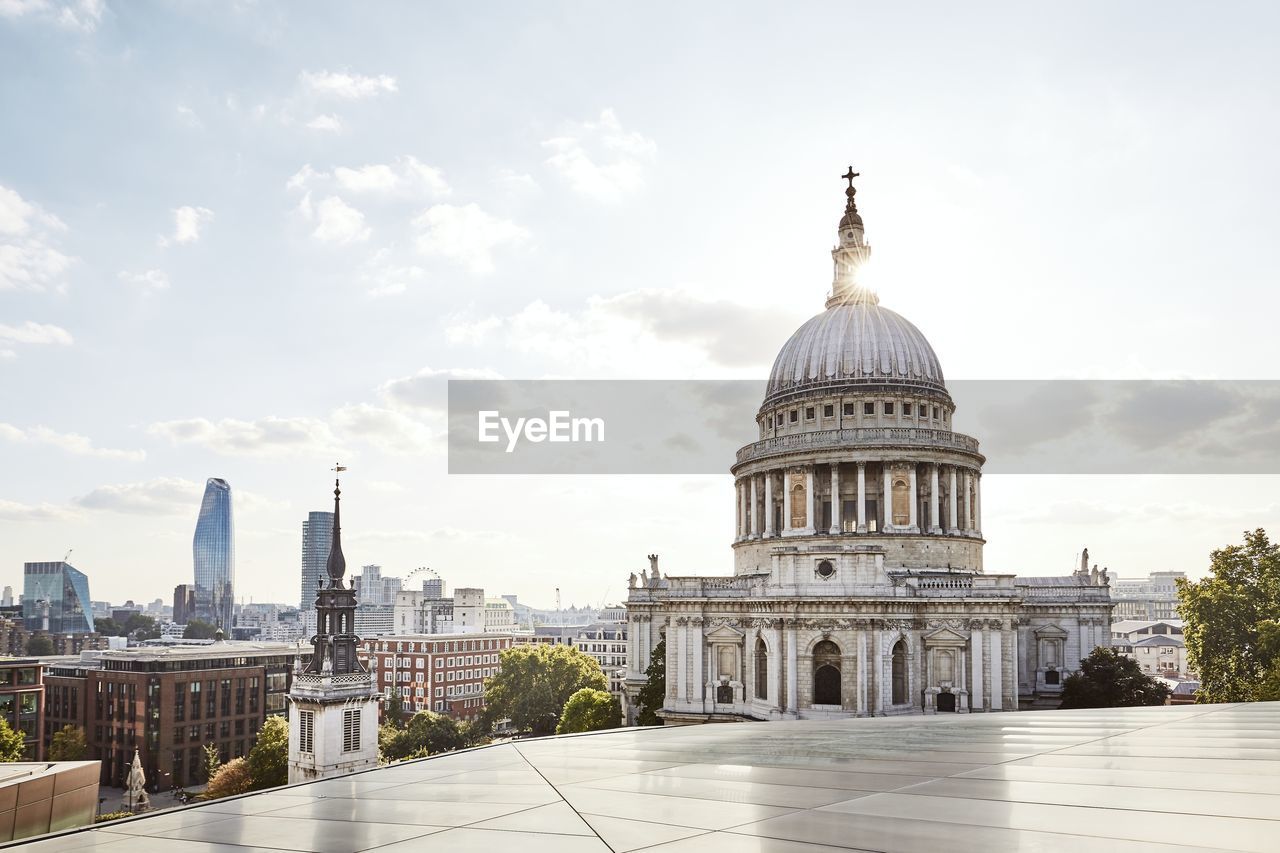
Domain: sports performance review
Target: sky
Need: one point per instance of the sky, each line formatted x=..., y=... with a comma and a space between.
x=252, y=239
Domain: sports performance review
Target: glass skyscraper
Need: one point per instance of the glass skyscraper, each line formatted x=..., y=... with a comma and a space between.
x=59, y=592
x=214, y=554
x=317, y=537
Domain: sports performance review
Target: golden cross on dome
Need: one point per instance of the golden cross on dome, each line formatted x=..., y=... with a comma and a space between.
x=850, y=175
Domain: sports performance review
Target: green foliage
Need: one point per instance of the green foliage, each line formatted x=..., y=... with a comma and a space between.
x=141, y=627
x=394, y=710
x=1110, y=680
x=68, y=744
x=103, y=818
x=12, y=743
x=212, y=761
x=108, y=627
x=40, y=644
x=199, y=629
x=426, y=733
x=536, y=681
x=655, y=688
x=269, y=757
x=230, y=779
x=1226, y=617
x=589, y=710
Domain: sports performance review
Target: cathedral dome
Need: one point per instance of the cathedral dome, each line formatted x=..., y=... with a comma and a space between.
x=855, y=343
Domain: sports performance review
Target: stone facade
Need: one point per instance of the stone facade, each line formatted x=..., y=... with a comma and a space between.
x=859, y=587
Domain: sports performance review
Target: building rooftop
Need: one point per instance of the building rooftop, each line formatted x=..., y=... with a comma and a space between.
x=1171, y=778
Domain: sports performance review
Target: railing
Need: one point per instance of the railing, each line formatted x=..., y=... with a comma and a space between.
x=859, y=436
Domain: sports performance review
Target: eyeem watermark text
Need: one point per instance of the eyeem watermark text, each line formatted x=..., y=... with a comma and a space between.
x=556, y=427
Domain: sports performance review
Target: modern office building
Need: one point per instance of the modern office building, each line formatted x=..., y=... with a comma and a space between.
x=168, y=703
x=317, y=533
x=22, y=703
x=214, y=555
x=184, y=603
x=55, y=598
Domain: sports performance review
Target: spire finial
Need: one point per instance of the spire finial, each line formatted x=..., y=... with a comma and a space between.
x=850, y=206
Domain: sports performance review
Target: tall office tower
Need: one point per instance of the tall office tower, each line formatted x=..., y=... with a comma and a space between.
x=7, y=601
x=184, y=603
x=317, y=535
x=433, y=587
x=214, y=554
x=55, y=598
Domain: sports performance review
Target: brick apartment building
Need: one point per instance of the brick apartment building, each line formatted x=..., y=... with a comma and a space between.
x=444, y=673
x=22, y=702
x=168, y=702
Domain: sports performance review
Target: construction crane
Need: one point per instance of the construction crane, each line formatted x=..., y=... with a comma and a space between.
x=67, y=556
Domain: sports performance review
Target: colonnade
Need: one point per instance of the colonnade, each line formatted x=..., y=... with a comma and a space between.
x=960, y=485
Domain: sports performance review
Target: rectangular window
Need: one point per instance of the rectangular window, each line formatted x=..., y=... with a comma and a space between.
x=849, y=410
x=808, y=413
x=829, y=411
x=795, y=416
x=868, y=408
x=935, y=413
x=888, y=408
x=351, y=730
x=306, y=731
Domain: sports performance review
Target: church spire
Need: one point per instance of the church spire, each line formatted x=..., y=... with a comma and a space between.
x=337, y=565
x=850, y=253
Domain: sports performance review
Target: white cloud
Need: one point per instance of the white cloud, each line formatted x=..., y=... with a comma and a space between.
x=336, y=221
x=383, y=277
x=68, y=441
x=601, y=160
x=515, y=182
x=266, y=436
x=187, y=222
x=466, y=235
x=428, y=388
x=329, y=123
x=83, y=15
x=28, y=259
x=35, y=333
x=189, y=118
x=161, y=496
x=148, y=281
x=406, y=176
x=344, y=84
x=11, y=511
x=386, y=429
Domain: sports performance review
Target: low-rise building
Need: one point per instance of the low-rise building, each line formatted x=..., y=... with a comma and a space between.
x=444, y=673
x=22, y=702
x=168, y=702
x=607, y=643
x=1156, y=645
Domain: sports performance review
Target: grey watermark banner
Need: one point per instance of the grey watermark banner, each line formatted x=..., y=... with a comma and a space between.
x=1020, y=426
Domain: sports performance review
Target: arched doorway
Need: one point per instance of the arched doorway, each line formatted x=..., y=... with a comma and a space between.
x=946, y=702
x=900, y=672
x=826, y=673
x=762, y=669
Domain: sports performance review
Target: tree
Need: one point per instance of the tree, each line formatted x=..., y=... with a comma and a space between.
x=1225, y=614
x=108, y=627
x=13, y=745
x=212, y=761
x=654, y=692
x=426, y=733
x=230, y=779
x=589, y=710
x=394, y=710
x=199, y=629
x=269, y=758
x=1269, y=645
x=40, y=644
x=142, y=627
x=1110, y=680
x=68, y=744
x=536, y=681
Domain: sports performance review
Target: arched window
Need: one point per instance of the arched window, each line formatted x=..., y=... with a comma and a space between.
x=762, y=670
x=900, y=672
x=826, y=673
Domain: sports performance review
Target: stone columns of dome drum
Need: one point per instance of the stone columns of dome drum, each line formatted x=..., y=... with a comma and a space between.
x=809, y=525
x=755, y=510
x=786, y=503
x=768, y=504
x=977, y=503
x=968, y=502
x=862, y=497
x=912, y=520
x=952, y=505
x=836, y=521
x=886, y=503
x=935, y=521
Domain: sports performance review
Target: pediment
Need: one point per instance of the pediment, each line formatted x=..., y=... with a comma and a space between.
x=1050, y=632
x=945, y=637
x=725, y=634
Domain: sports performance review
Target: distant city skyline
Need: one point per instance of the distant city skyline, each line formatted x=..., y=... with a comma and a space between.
x=250, y=269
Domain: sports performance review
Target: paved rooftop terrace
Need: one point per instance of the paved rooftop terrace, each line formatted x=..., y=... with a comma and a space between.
x=1173, y=778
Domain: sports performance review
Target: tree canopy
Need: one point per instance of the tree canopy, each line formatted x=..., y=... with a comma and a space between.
x=211, y=761
x=68, y=744
x=230, y=779
x=426, y=733
x=12, y=743
x=589, y=710
x=654, y=691
x=1226, y=616
x=40, y=644
x=1110, y=680
x=269, y=757
x=199, y=629
x=536, y=681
